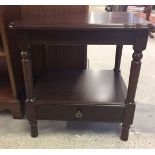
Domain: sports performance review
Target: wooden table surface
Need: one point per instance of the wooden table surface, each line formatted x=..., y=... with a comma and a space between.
x=91, y=20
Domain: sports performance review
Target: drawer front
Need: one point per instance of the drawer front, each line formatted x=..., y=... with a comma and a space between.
x=82, y=112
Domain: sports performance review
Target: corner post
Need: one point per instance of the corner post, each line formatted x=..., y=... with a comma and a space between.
x=30, y=105
x=118, y=56
x=138, y=47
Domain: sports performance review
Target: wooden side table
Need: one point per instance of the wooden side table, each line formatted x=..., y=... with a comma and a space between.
x=83, y=95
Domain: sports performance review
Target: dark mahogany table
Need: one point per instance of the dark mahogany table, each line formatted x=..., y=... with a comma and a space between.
x=83, y=95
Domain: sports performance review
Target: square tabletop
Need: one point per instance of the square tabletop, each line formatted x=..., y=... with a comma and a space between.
x=91, y=20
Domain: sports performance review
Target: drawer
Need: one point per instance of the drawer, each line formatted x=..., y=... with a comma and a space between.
x=80, y=112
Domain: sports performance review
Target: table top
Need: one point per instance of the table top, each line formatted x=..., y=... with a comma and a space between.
x=92, y=20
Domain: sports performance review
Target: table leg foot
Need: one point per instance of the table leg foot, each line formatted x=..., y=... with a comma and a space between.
x=125, y=132
x=34, y=129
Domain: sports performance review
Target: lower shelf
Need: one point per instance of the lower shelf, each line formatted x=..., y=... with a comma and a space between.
x=81, y=86
x=97, y=95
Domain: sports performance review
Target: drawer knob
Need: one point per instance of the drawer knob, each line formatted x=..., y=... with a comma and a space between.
x=79, y=114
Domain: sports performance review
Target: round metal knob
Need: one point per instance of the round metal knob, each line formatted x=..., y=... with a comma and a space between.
x=79, y=114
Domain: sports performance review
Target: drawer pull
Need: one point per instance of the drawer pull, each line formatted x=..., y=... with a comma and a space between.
x=79, y=114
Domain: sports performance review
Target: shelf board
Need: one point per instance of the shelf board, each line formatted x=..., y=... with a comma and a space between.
x=5, y=86
x=80, y=87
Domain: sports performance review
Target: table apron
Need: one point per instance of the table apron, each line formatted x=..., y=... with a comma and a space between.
x=126, y=37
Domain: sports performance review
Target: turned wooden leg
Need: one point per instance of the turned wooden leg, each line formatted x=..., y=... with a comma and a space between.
x=132, y=86
x=125, y=132
x=30, y=102
x=118, y=56
x=139, y=46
